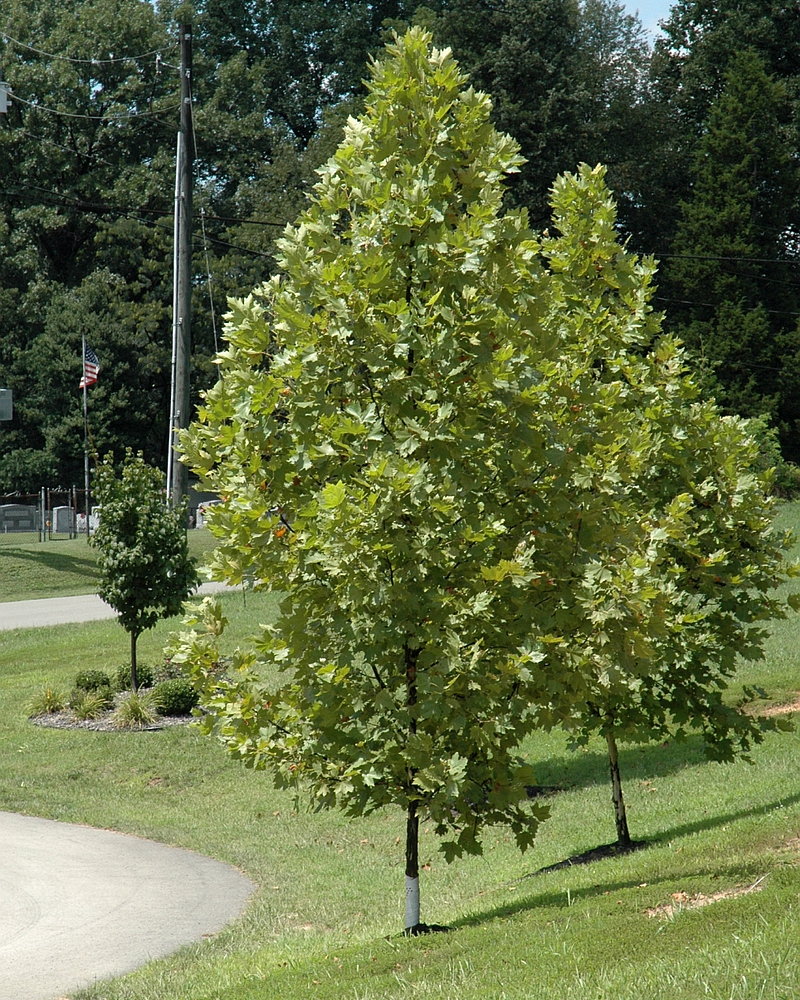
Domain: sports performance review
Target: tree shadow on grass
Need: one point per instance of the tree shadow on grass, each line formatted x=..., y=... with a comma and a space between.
x=62, y=562
x=583, y=769
x=553, y=898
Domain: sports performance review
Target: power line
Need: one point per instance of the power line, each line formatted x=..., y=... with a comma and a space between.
x=84, y=62
x=740, y=260
x=245, y=222
x=99, y=209
x=94, y=118
x=711, y=305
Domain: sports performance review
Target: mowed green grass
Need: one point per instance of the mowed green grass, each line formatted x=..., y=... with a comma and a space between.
x=60, y=567
x=325, y=917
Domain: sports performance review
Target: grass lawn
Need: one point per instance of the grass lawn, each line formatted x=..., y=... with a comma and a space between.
x=60, y=567
x=324, y=922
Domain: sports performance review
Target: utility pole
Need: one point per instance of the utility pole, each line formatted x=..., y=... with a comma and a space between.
x=182, y=319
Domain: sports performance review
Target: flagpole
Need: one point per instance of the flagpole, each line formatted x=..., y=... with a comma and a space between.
x=85, y=433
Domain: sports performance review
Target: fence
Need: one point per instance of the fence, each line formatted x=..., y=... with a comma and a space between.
x=46, y=515
x=61, y=513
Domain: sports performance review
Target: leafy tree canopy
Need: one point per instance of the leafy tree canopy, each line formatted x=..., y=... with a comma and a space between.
x=445, y=441
x=146, y=572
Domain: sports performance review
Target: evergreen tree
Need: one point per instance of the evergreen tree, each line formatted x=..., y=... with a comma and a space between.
x=731, y=275
x=690, y=63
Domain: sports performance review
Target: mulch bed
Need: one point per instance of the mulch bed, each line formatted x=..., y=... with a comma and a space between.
x=103, y=724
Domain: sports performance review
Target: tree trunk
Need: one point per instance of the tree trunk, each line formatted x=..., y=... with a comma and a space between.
x=134, y=679
x=623, y=836
x=412, y=869
x=412, y=819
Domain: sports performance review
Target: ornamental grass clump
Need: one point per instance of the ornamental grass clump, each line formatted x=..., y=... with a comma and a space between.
x=93, y=704
x=135, y=710
x=48, y=701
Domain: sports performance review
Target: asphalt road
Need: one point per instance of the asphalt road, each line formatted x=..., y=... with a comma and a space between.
x=79, y=905
x=63, y=610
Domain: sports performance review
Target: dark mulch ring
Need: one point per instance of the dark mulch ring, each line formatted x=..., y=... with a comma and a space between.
x=104, y=723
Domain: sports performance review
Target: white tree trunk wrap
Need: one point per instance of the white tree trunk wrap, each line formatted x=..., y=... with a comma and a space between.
x=412, y=902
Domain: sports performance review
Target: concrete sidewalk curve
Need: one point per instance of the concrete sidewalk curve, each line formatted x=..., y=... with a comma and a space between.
x=63, y=610
x=78, y=904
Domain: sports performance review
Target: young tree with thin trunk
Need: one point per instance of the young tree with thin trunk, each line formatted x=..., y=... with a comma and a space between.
x=146, y=572
x=691, y=551
x=431, y=434
x=392, y=421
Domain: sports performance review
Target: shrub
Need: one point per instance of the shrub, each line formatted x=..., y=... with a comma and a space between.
x=99, y=700
x=46, y=702
x=786, y=477
x=135, y=710
x=144, y=676
x=167, y=671
x=93, y=704
x=91, y=680
x=175, y=696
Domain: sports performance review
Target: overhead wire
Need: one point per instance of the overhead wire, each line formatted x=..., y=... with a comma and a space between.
x=135, y=215
x=712, y=305
x=94, y=118
x=85, y=62
x=739, y=260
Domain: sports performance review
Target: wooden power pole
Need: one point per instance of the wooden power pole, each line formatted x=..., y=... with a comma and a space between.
x=182, y=346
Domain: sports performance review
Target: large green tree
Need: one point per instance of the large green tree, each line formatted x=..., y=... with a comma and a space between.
x=433, y=434
x=86, y=231
x=730, y=277
x=386, y=437
x=689, y=71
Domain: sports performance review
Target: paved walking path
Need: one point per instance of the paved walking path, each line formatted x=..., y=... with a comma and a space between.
x=79, y=904
x=61, y=610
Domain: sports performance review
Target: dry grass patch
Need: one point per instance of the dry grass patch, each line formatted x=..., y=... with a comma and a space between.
x=787, y=709
x=693, y=901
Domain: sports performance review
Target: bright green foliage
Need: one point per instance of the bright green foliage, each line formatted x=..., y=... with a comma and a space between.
x=370, y=435
x=485, y=486
x=689, y=532
x=146, y=572
x=680, y=579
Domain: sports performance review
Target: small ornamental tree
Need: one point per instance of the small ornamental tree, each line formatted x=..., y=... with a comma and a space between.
x=146, y=572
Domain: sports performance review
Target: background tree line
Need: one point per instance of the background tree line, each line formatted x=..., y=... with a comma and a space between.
x=699, y=134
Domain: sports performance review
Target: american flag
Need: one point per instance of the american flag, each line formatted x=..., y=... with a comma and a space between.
x=91, y=366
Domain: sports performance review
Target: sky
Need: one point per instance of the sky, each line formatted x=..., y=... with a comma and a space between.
x=650, y=12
